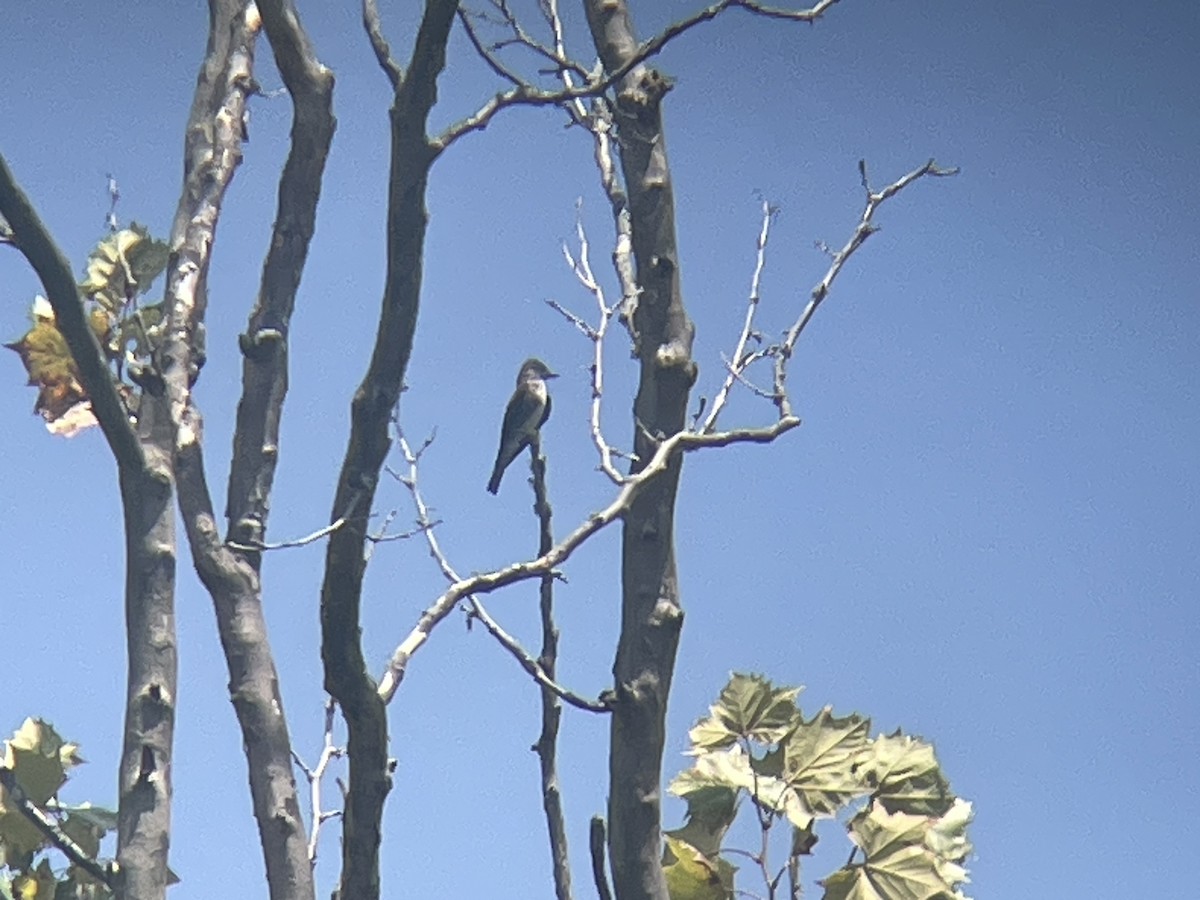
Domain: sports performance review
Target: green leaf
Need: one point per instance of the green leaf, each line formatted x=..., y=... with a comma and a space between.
x=710, y=811
x=732, y=769
x=899, y=862
x=691, y=875
x=821, y=761
x=749, y=707
x=40, y=759
x=905, y=775
x=122, y=266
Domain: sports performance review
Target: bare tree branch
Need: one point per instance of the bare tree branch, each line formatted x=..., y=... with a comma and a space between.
x=484, y=53
x=215, y=136
x=346, y=678
x=582, y=268
x=525, y=93
x=864, y=230
x=596, y=843
x=547, y=742
x=314, y=776
x=379, y=44
x=736, y=365
x=475, y=607
x=547, y=563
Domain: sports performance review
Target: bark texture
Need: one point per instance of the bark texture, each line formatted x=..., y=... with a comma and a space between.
x=231, y=570
x=651, y=614
x=346, y=676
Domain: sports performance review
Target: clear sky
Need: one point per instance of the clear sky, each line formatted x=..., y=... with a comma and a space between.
x=986, y=531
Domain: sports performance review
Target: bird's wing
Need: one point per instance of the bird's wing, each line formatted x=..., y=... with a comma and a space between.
x=520, y=416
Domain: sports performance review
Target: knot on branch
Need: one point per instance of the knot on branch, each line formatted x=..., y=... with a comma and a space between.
x=643, y=91
x=675, y=355
x=261, y=344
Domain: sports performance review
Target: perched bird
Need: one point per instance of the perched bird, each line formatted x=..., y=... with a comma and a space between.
x=526, y=412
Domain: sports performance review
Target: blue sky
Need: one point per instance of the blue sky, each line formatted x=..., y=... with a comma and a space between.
x=986, y=532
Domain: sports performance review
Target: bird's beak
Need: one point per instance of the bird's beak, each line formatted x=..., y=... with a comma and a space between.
x=550, y=375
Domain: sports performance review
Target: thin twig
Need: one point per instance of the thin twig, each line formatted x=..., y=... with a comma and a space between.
x=737, y=367
x=255, y=546
x=493, y=61
x=486, y=582
x=527, y=94
x=864, y=229
x=313, y=776
x=474, y=607
x=582, y=268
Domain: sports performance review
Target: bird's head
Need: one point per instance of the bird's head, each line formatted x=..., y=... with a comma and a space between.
x=535, y=368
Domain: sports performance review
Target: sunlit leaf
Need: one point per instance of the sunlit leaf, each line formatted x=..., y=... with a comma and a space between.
x=749, y=707
x=49, y=363
x=96, y=816
x=899, y=863
x=732, y=769
x=40, y=759
x=905, y=775
x=122, y=266
x=821, y=761
x=691, y=875
x=710, y=811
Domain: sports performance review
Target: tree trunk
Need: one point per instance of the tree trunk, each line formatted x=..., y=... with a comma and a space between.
x=651, y=615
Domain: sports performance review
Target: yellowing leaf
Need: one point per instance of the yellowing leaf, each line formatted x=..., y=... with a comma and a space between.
x=51, y=368
x=691, y=875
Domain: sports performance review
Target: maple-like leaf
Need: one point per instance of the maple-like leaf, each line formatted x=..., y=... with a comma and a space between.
x=52, y=370
x=749, y=707
x=820, y=760
x=122, y=266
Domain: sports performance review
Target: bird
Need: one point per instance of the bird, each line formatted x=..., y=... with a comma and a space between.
x=526, y=412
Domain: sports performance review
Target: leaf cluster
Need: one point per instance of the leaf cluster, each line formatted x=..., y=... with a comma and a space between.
x=119, y=271
x=38, y=761
x=907, y=827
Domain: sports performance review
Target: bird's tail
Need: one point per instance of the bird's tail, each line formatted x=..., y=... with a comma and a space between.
x=494, y=481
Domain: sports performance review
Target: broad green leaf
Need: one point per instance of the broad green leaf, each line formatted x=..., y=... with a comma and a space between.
x=40, y=759
x=905, y=775
x=898, y=861
x=122, y=266
x=710, y=811
x=821, y=761
x=731, y=769
x=749, y=707
x=691, y=875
